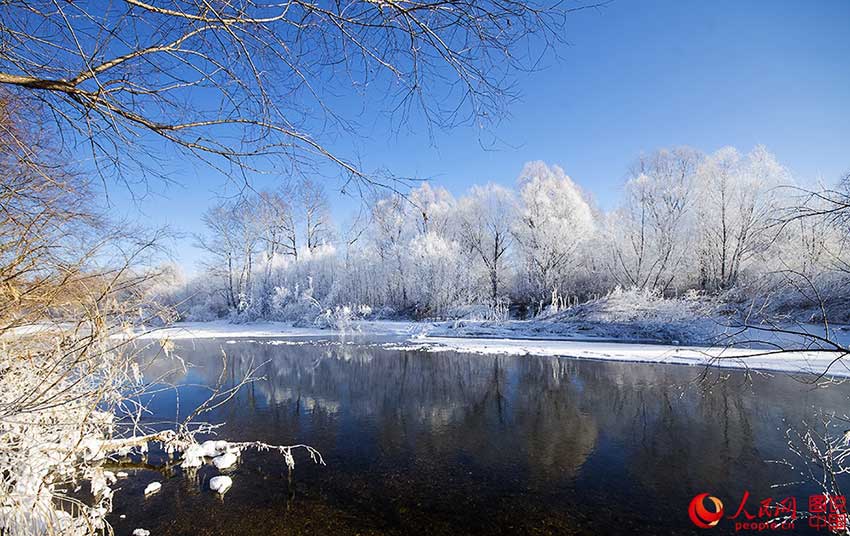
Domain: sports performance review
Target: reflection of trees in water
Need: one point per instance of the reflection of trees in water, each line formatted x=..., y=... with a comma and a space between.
x=537, y=420
x=548, y=423
x=677, y=432
x=437, y=407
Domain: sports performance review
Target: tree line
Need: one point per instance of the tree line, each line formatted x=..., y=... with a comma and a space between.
x=720, y=224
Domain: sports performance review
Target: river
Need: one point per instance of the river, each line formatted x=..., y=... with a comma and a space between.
x=447, y=443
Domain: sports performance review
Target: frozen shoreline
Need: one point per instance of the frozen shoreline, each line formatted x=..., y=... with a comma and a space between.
x=283, y=330
x=438, y=337
x=806, y=363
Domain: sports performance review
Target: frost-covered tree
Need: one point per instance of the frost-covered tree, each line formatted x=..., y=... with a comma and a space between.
x=313, y=201
x=433, y=209
x=486, y=215
x=686, y=222
x=390, y=233
x=403, y=241
x=438, y=275
x=277, y=219
x=270, y=250
x=234, y=234
x=278, y=238
x=737, y=203
x=651, y=233
x=438, y=279
x=554, y=219
x=808, y=262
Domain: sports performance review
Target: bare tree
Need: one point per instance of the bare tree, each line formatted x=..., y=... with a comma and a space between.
x=240, y=83
x=72, y=378
x=66, y=271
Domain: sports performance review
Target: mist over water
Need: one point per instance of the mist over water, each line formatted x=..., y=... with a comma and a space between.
x=446, y=443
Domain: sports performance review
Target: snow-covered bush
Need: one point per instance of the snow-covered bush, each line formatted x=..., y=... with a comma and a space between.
x=497, y=311
x=629, y=305
x=49, y=431
x=295, y=304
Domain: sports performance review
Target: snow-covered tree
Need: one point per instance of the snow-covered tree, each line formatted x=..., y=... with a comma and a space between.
x=433, y=208
x=686, y=222
x=554, y=220
x=404, y=235
x=278, y=238
x=313, y=201
x=437, y=273
x=737, y=202
x=650, y=234
x=234, y=234
x=390, y=234
x=486, y=216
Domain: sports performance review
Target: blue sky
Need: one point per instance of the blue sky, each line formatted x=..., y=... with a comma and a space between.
x=635, y=76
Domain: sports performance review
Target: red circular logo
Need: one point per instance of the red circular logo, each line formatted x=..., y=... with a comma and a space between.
x=702, y=516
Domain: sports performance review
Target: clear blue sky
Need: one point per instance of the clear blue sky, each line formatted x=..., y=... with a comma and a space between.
x=636, y=76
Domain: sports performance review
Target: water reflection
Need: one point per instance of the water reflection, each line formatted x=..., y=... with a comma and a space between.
x=452, y=443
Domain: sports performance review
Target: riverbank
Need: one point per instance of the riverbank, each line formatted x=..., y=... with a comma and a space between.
x=526, y=338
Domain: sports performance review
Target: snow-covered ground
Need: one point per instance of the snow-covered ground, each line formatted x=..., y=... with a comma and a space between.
x=704, y=332
x=223, y=328
x=808, y=363
x=527, y=338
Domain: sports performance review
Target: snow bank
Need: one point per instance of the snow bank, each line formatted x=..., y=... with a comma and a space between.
x=550, y=336
x=632, y=316
x=222, y=328
x=739, y=358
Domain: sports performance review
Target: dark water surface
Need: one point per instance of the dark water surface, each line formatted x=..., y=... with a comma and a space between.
x=447, y=443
